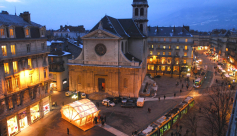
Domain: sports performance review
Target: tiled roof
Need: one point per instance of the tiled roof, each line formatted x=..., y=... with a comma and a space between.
x=120, y=27
x=168, y=32
x=14, y=20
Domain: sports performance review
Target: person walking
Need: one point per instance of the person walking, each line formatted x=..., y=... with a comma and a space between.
x=164, y=97
x=159, y=98
x=99, y=118
x=67, y=131
x=149, y=110
x=174, y=94
x=180, y=91
x=102, y=122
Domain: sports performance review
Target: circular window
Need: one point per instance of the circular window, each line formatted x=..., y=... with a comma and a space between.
x=100, y=49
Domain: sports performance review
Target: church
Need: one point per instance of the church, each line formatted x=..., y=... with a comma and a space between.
x=114, y=55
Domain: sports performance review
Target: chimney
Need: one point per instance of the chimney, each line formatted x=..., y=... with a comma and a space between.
x=5, y=12
x=26, y=16
x=61, y=27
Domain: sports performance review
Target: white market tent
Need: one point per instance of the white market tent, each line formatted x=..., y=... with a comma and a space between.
x=80, y=113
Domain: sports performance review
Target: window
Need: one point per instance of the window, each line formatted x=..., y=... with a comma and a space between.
x=186, y=40
x=163, y=53
x=177, y=47
x=45, y=74
x=42, y=46
x=16, y=81
x=177, y=40
x=31, y=78
x=13, y=49
x=164, y=39
x=125, y=82
x=185, y=54
x=142, y=12
x=163, y=47
x=185, y=61
x=151, y=46
x=27, y=32
x=170, y=39
x=42, y=33
x=168, y=68
x=158, y=46
x=141, y=27
x=2, y=32
x=162, y=68
x=226, y=49
x=54, y=77
x=185, y=47
x=150, y=67
x=11, y=32
x=18, y=99
x=151, y=53
x=169, y=47
x=150, y=58
x=15, y=67
x=4, y=50
x=136, y=11
x=29, y=63
x=9, y=84
x=169, y=61
x=169, y=53
x=6, y=68
x=158, y=53
x=28, y=48
x=158, y=68
x=10, y=103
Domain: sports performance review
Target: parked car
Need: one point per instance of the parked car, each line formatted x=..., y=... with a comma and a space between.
x=128, y=105
x=140, y=102
x=68, y=93
x=117, y=100
x=110, y=98
x=107, y=102
x=124, y=100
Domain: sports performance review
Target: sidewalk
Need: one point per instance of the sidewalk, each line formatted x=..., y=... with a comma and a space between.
x=112, y=130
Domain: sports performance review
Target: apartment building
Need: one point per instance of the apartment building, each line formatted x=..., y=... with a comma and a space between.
x=24, y=77
x=170, y=50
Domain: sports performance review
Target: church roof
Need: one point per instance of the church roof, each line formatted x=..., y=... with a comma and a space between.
x=120, y=27
x=169, y=32
x=139, y=0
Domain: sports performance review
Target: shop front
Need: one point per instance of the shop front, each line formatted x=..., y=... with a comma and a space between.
x=46, y=107
x=53, y=86
x=34, y=112
x=12, y=126
x=23, y=122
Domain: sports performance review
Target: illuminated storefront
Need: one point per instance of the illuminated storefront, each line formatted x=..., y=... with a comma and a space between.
x=46, y=107
x=34, y=112
x=53, y=86
x=12, y=126
x=22, y=116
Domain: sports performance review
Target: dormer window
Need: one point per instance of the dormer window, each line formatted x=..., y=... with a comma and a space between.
x=2, y=34
x=42, y=34
x=11, y=33
x=27, y=32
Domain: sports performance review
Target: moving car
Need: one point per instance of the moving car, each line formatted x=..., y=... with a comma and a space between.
x=107, y=102
x=128, y=105
x=68, y=93
x=140, y=102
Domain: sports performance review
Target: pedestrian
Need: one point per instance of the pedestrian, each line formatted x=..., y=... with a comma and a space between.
x=107, y=104
x=67, y=131
x=216, y=81
x=174, y=94
x=104, y=118
x=135, y=132
x=149, y=110
x=193, y=81
x=102, y=122
x=200, y=109
x=180, y=127
x=159, y=98
x=172, y=134
x=180, y=91
x=164, y=97
x=97, y=103
x=99, y=118
x=132, y=133
x=95, y=120
x=187, y=87
x=182, y=85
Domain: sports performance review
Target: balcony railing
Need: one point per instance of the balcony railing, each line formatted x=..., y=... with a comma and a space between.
x=23, y=53
x=56, y=62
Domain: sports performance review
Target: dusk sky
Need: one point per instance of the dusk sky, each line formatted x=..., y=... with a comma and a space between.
x=54, y=13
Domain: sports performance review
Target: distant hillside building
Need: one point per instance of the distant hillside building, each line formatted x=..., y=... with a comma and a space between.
x=71, y=32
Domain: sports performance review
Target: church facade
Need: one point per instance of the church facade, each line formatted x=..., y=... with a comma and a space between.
x=113, y=59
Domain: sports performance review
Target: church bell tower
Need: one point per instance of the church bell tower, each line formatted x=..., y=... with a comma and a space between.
x=139, y=16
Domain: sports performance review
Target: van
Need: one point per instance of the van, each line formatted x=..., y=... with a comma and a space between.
x=68, y=93
x=140, y=102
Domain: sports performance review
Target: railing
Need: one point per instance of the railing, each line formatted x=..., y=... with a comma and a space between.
x=56, y=62
x=57, y=69
x=24, y=53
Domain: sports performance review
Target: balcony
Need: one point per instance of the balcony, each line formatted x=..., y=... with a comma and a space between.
x=18, y=54
x=61, y=69
x=56, y=62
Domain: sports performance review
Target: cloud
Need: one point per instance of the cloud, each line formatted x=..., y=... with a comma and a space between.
x=2, y=6
x=12, y=0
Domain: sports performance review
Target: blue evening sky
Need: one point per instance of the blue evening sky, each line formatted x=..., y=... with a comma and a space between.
x=54, y=13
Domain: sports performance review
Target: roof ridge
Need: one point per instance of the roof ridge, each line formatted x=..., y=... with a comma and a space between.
x=113, y=26
x=123, y=28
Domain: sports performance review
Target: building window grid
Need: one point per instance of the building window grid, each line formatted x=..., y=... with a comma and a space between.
x=27, y=32
x=185, y=47
x=4, y=50
x=6, y=68
x=11, y=32
x=185, y=53
x=2, y=32
x=15, y=66
x=13, y=49
x=28, y=48
x=29, y=63
x=177, y=47
x=42, y=46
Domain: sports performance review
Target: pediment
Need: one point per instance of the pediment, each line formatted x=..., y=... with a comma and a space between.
x=100, y=34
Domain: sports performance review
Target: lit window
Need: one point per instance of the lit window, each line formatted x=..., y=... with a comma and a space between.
x=15, y=68
x=226, y=49
x=163, y=47
x=162, y=68
x=150, y=59
x=186, y=47
x=4, y=50
x=185, y=54
x=29, y=63
x=186, y=40
x=169, y=47
x=158, y=53
x=177, y=62
x=17, y=82
x=151, y=52
x=13, y=49
x=150, y=67
x=177, y=47
x=185, y=61
x=2, y=32
x=11, y=32
x=151, y=46
x=168, y=68
x=158, y=68
x=164, y=39
x=169, y=53
x=27, y=32
x=6, y=68
x=169, y=61
x=163, y=53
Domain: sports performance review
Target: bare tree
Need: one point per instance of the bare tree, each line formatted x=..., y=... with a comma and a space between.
x=216, y=108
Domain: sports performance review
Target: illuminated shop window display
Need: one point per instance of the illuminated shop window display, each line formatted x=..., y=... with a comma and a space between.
x=23, y=120
x=46, y=105
x=34, y=111
x=12, y=126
